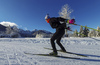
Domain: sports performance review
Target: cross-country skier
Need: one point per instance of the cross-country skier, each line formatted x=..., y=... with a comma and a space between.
x=59, y=24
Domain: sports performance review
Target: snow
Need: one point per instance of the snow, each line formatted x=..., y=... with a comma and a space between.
x=12, y=51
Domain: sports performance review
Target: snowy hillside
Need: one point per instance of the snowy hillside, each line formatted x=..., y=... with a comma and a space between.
x=12, y=51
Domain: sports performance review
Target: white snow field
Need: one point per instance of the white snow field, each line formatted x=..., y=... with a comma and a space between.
x=12, y=51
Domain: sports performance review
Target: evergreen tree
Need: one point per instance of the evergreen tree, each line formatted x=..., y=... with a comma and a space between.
x=92, y=33
x=81, y=31
x=86, y=31
x=89, y=34
x=65, y=13
x=98, y=33
x=75, y=33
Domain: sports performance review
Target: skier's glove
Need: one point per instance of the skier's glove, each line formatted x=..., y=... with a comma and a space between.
x=68, y=28
x=72, y=21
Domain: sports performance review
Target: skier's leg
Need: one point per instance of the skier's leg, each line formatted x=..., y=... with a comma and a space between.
x=61, y=33
x=58, y=34
x=53, y=45
x=61, y=46
x=54, y=37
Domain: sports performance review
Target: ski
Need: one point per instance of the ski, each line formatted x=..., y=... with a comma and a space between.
x=58, y=56
x=87, y=27
x=68, y=52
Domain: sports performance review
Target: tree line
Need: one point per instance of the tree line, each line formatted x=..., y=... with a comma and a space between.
x=85, y=32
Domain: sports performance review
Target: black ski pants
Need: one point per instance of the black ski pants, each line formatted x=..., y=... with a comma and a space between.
x=57, y=36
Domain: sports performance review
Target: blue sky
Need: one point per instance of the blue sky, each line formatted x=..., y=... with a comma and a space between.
x=30, y=14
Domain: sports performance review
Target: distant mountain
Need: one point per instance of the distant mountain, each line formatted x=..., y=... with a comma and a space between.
x=41, y=31
x=34, y=33
x=2, y=28
x=35, y=30
x=27, y=33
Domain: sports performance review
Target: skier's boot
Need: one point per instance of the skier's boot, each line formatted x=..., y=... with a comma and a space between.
x=53, y=53
x=63, y=51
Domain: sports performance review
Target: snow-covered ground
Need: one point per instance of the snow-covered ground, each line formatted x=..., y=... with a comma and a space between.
x=12, y=51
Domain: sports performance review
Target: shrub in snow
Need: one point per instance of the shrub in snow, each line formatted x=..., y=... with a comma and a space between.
x=39, y=36
x=44, y=35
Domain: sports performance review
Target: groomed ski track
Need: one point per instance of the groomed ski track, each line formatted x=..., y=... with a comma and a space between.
x=12, y=51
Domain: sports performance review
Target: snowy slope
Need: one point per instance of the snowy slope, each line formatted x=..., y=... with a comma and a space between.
x=12, y=51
